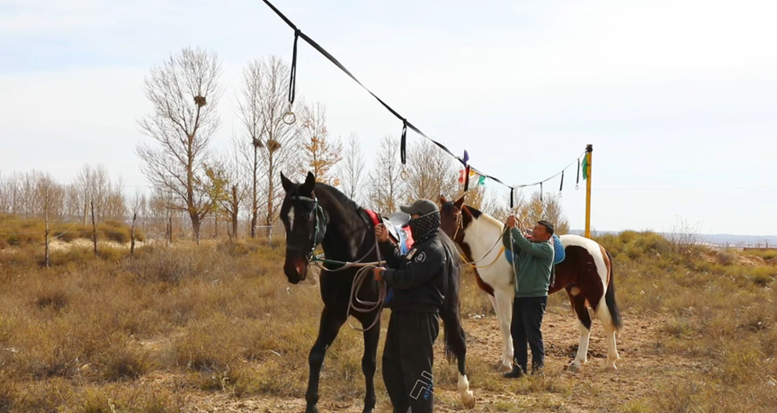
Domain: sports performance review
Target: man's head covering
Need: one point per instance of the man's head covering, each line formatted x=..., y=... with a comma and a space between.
x=421, y=207
x=427, y=224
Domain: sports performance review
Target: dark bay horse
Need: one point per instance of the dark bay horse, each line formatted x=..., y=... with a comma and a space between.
x=585, y=274
x=315, y=213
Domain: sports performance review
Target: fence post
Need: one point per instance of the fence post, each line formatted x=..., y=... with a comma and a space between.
x=94, y=229
x=589, y=149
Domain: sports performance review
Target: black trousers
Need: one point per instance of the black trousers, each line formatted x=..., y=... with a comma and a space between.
x=525, y=327
x=407, y=360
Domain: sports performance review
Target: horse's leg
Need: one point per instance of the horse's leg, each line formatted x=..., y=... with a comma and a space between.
x=584, y=317
x=504, y=314
x=455, y=340
x=330, y=324
x=612, y=350
x=495, y=305
x=371, y=339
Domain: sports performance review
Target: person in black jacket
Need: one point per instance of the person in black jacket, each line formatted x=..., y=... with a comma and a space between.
x=418, y=279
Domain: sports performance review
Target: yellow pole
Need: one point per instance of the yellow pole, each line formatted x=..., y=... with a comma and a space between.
x=589, y=149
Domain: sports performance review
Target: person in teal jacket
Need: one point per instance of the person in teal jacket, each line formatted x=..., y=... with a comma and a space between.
x=533, y=263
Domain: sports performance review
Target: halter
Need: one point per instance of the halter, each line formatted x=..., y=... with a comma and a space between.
x=320, y=225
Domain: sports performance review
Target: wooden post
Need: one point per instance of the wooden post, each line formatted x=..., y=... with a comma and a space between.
x=170, y=233
x=132, y=234
x=589, y=149
x=47, y=227
x=94, y=229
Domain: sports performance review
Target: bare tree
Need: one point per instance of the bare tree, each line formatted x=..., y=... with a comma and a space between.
x=6, y=198
x=351, y=169
x=184, y=92
x=430, y=172
x=272, y=141
x=386, y=184
x=319, y=154
x=546, y=207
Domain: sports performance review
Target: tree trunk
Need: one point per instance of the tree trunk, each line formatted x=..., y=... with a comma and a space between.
x=196, y=225
x=255, y=197
x=235, y=206
x=270, y=193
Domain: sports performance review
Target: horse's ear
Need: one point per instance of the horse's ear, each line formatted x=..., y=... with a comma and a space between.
x=310, y=182
x=287, y=185
x=443, y=200
x=459, y=203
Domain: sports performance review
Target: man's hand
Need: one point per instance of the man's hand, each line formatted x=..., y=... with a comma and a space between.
x=376, y=273
x=512, y=222
x=381, y=233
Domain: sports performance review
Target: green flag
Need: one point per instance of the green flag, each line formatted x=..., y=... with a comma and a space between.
x=585, y=167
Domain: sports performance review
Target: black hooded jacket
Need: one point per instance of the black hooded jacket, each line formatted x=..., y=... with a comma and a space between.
x=419, y=278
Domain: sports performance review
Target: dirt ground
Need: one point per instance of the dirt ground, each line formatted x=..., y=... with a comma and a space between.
x=640, y=368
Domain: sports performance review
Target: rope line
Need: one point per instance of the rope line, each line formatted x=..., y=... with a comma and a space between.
x=405, y=123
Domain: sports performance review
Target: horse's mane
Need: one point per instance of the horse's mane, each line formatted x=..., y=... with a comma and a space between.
x=338, y=196
x=476, y=213
x=479, y=215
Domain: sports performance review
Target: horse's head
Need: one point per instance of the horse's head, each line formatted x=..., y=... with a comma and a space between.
x=455, y=217
x=305, y=223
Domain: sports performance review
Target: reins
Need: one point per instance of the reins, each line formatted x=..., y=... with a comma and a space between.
x=474, y=262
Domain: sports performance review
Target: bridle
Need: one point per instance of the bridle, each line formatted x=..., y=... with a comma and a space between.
x=362, y=275
x=320, y=226
x=474, y=263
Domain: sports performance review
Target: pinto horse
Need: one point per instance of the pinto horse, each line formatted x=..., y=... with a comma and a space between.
x=315, y=213
x=585, y=273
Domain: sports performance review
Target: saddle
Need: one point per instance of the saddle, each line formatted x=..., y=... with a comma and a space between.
x=399, y=234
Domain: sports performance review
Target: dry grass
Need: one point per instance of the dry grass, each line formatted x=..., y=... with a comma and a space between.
x=176, y=329
x=20, y=232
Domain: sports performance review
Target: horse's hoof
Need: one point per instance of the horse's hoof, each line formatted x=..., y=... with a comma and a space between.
x=573, y=368
x=504, y=368
x=469, y=399
x=610, y=369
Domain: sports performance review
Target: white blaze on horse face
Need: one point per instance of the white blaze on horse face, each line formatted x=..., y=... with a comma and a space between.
x=291, y=217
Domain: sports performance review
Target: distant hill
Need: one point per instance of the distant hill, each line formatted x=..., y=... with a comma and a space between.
x=716, y=239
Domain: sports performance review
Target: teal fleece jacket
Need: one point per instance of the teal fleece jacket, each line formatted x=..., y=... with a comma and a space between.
x=532, y=265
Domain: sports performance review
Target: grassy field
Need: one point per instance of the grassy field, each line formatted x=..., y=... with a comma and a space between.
x=217, y=327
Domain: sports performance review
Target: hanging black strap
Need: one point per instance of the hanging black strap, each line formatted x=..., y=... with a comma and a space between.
x=403, y=142
x=293, y=78
x=577, y=183
x=562, y=182
x=512, y=198
x=540, y=191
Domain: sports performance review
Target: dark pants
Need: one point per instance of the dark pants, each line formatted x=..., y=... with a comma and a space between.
x=527, y=320
x=407, y=360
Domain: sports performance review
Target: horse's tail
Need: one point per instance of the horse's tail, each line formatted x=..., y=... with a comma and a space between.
x=609, y=297
x=453, y=333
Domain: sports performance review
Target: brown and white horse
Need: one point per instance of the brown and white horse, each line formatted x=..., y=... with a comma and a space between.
x=585, y=273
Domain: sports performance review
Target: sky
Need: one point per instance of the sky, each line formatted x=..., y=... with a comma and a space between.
x=678, y=98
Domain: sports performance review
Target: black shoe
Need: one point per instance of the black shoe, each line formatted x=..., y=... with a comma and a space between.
x=538, y=369
x=516, y=373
